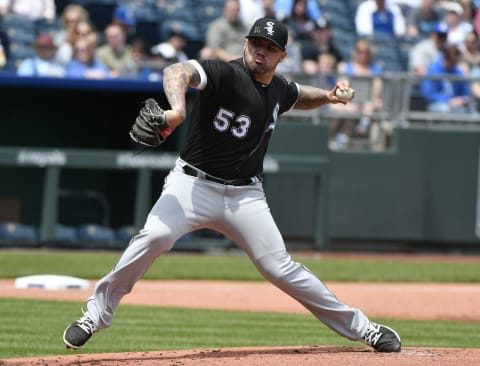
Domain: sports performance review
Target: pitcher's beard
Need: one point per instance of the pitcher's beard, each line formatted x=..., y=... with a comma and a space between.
x=252, y=66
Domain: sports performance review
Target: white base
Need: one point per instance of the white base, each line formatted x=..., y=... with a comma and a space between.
x=52, y=282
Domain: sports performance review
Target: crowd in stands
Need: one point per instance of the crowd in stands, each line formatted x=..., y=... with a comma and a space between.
x=136, y=39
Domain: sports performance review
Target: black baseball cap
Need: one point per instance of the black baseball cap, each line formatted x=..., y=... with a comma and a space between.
x=271, y=29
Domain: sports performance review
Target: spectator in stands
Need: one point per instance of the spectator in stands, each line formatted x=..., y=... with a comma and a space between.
x=471, y=53
x=124, y=17
x=43, y=64
x=144, y=65
x=475, y=88
x=361, y=64
x=3, y=48
x=33, y=9
x=3, y=57
x=72, y=14
x=292, y=63
x=458, y=26
x=379, y=17
x=225, y=35
x=284, y=9
x=84, y=65
x=443, y=94
x=300, y=23
x=426, y=51
x=325, y=69
x=468, y=10
x=320, y=42
x=83, y=29
x=476, y=20
x=254, y=9
x=116, y=52
x=172, y=49
x=422, y=20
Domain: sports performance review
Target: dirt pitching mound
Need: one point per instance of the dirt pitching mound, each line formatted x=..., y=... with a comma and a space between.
x=265, y=356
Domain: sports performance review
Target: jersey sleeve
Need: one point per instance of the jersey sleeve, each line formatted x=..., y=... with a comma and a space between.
x=211, y=73
x=290, y=98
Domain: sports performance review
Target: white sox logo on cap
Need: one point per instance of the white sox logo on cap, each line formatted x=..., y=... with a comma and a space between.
x=270, y=29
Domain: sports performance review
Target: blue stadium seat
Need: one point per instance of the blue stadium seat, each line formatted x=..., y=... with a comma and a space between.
x=207, y=14
x=190, y=30
x=125, y=233
x=344, y=42
x=13, y=231
x=66, y=233
x=14, y=21
x=48, y=26
x=387, y=52
x=340, y=23
x=146, y=12
x=93, y=233
x=20, y=35
x=182, y=10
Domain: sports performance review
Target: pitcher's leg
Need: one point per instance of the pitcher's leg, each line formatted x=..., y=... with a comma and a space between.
x=297, y=281
x=153, y=240
x=252, y=227
x=181, y=208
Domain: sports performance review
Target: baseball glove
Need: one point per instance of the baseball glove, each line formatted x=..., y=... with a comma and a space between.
x=150, y=127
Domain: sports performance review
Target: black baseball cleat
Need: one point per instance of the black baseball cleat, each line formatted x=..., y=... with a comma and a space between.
x=78, y=333
x=382, y=338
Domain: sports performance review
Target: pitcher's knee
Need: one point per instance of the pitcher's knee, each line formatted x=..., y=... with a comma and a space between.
x=160, y=239
x=277, y=267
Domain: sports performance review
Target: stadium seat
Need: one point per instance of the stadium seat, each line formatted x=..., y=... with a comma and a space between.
x=146, y=12
x=190, y=30
x=182, y=10
x=66, y=233
x=92, y=233
x=14, y=21
x=125, y=233
x=18, y=52
x=207, y=13
x=48, y=26
x=15, y=232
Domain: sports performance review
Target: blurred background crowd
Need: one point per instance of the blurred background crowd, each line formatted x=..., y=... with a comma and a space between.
x=424, y=52
x=136, y=39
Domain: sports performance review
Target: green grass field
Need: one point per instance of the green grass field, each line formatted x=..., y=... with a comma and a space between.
x=233, y=267
x=34, y=328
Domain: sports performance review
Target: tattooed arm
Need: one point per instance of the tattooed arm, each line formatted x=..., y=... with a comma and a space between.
x=311, y=97
x=176, y=80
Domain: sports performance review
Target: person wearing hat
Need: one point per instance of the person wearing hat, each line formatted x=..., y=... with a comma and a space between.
x=43, y=63
x=125, y=18
x=441, y=93
x=320, y=42
x=216, y=182
x=172, y=49
x=459, y=27
x=427, y=50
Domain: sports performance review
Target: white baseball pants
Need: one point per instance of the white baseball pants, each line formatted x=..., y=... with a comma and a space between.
x=242, y=214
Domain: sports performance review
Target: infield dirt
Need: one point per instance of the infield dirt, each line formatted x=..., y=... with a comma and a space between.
x=402, y=301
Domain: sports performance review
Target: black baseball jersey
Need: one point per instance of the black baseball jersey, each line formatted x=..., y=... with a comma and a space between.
x=232, y=119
